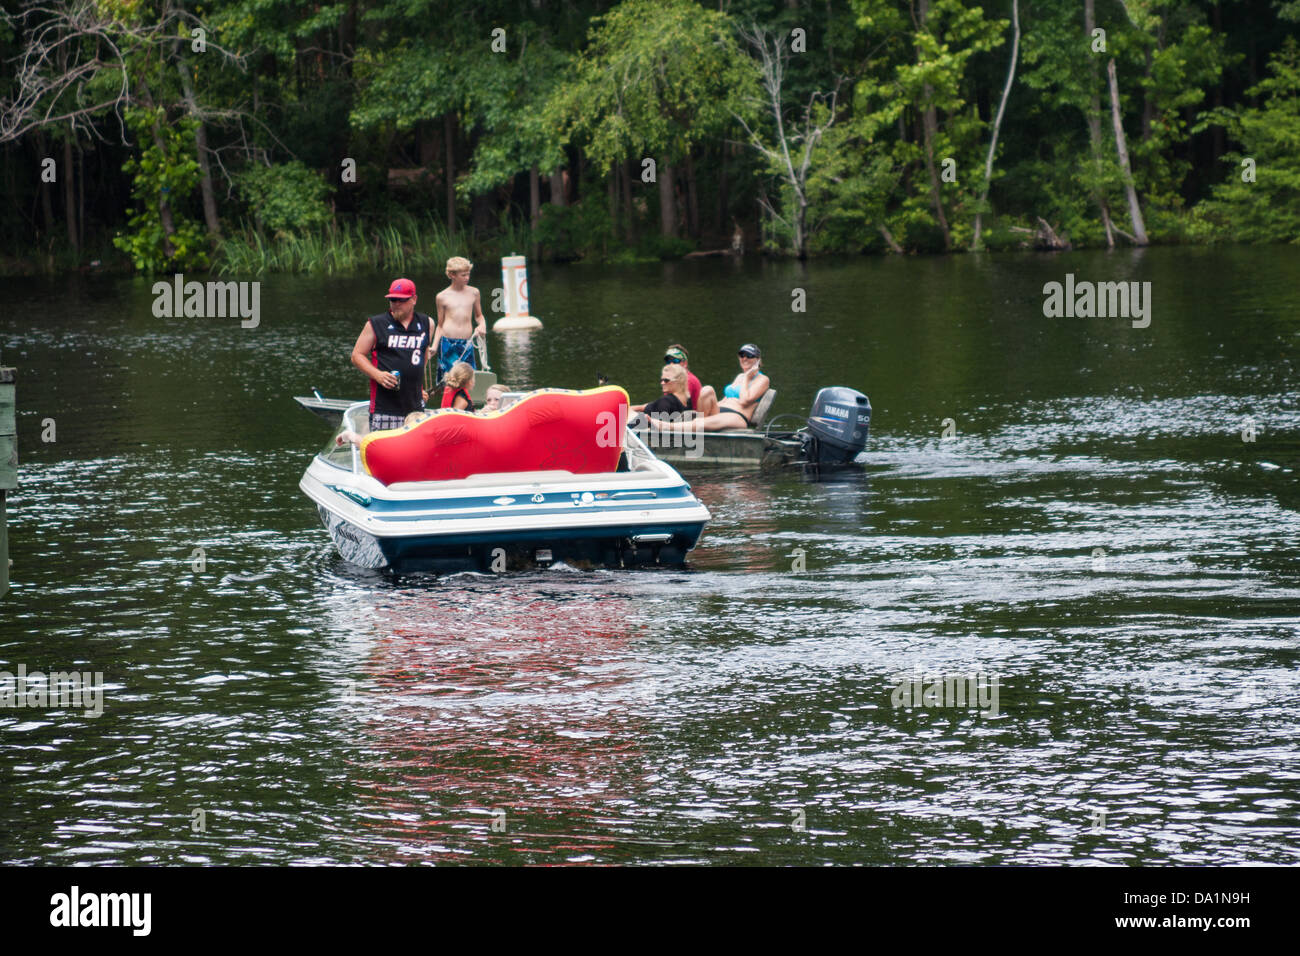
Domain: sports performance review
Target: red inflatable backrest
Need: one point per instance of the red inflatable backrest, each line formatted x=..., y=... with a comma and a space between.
x=549, y=430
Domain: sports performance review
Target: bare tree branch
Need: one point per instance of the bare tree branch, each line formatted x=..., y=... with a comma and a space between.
x=66, y=46
x=772, y=58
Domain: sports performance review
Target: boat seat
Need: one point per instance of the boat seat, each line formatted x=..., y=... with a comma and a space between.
x=764, y=406
x=550, y=429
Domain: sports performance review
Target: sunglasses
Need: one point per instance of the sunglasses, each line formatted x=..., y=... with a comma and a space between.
x=669, y=360
x=746, y=355
x=664, y=381
x=396, y=301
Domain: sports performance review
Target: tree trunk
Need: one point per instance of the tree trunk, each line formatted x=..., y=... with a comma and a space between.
x=801, y=227
x=997, y=124
x=534, y=196
x=557, y=187
x=629, y=225
x=534, y=205
x=11, y=187
x=930, y=130
x=889, y=239
x=692, y=198
x=164, y=203
x=348, y=37
x=667, y=202
x=47, y=208
x=81, y=198
x=611, y=192
x=69, y=194
x=1134, y=210
x=723, y=198
x=448, y=136
x=210, y=217
x=1148, y=101
x=1094, y=126
x=481, y=211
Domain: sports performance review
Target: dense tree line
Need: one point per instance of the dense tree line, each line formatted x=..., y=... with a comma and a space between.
x=161, y=134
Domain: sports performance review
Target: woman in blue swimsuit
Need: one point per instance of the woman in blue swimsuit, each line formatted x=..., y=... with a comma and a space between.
x=739, y=400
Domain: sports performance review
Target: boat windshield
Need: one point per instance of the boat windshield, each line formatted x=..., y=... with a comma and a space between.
x=339, y=451
x=638, y=455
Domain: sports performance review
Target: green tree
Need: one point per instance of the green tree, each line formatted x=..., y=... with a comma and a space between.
x=1182, y=58
x=286, y=198
x=925, y=80
x=1076, y=166
x=657, y=77
x=1260, y=199
x=159, y=235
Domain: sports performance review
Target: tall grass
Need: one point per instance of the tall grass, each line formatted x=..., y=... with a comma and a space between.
x=405, y=243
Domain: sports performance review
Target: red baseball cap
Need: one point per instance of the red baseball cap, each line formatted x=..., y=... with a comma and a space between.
x=401, y=289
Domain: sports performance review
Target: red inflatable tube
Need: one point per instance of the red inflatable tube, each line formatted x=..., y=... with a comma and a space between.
x=553, y=429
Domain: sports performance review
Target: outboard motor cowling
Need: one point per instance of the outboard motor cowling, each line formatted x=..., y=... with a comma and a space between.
x=838, y=426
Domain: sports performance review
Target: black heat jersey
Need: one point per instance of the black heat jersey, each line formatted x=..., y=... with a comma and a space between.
x=401, y=350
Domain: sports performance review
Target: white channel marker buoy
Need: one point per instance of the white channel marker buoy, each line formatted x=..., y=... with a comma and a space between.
x=514, y=278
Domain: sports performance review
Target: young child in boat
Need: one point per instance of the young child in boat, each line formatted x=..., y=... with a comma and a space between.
x=460, y=316
x=458, y=381
x=411, y=419
x=492, y=398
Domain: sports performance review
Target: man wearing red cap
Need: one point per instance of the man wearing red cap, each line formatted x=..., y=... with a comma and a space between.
x=392, y=349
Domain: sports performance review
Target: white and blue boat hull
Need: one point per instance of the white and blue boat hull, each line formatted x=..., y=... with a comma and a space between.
x=646, y=515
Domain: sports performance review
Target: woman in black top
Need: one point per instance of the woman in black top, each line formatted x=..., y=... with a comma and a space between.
x=676, y=395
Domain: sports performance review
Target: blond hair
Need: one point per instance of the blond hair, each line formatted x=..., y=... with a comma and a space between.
x=458, y=264
x=498, y=388
x=676, y=376
x=460, y=374
x=416, y=417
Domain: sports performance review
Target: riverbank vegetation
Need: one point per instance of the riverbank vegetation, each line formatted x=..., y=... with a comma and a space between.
x=257, y=136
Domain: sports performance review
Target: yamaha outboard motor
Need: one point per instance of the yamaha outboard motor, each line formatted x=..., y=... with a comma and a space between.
x=837, y=428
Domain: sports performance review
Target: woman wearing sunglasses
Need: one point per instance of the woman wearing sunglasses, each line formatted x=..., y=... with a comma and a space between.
x=673, y=401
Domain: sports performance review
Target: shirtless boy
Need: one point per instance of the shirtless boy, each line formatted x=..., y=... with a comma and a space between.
x=460, y=315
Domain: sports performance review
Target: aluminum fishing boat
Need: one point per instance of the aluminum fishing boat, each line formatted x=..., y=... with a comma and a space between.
x=832, y=436
x=619, y=506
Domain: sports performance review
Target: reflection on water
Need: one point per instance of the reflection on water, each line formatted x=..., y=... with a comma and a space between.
x=494, y=709
x=514, y=351
x=1099, y=534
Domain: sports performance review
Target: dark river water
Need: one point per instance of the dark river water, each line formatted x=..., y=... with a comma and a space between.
x=1096, y=543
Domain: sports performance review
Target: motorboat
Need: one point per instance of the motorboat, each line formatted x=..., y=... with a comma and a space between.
x=555, y=475
x=832, y=436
